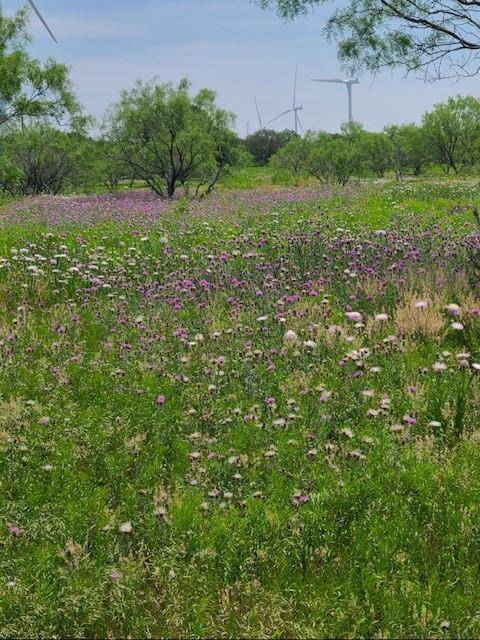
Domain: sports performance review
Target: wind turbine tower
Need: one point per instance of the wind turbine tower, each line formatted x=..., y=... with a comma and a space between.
x=294, y=109
x=348, y=82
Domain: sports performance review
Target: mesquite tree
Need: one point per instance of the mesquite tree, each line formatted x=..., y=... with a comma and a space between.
x=172, y=140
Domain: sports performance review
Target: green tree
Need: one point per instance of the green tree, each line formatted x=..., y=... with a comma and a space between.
x=377, y=150
x=410, y=149
x=441, y=38
x=292, y=157
x=30, y=89
x=332, y=159
x=264, y=143
x=453, y=132
x=41, y=159
x=171, y=139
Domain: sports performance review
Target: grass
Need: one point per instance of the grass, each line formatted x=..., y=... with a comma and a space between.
x=199, y=439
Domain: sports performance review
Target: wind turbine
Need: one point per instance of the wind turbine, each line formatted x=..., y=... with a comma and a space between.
x=348, y=82
x=42, y=20
x=293, y=109
x=258, y=114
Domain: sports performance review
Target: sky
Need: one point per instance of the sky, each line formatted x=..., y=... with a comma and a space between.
x=231, y=46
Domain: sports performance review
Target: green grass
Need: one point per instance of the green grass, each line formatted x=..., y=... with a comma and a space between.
x=268, y=495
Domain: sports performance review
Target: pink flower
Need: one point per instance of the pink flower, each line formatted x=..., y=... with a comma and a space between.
x=15, y=531
x=161, y=400
x=354, y=316
x=116, y=576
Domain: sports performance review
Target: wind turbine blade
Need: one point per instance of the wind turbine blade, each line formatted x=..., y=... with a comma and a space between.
x=280, y=115
x=338, y=80
x=258, y=114
x=42, y=20
x=300, y=123
x=295, y=90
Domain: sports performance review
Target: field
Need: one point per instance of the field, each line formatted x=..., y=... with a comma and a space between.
x=256, y=416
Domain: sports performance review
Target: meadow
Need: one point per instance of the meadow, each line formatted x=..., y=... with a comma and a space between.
x=253, y=416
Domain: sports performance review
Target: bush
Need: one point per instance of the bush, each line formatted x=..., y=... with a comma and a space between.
x=39, y=159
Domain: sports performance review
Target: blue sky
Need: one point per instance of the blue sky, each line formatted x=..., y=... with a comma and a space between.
x=229, y=45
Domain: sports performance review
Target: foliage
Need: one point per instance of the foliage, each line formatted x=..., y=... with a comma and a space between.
x=109, y=165
x=170, y=139
x=439, y=38
x=332, y=159
x=453, y=130
x=377, y=152
x=410, y=148
x=41, y=159
x=291, y=158
x=30, y=89
x=264, y=143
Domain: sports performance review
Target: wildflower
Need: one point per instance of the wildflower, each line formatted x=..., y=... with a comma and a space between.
x=115, y=576
x=453, y=309
x=354, y=316
x=15, y=531
x=381, y=317
x=421, y=304
x=458, y=326
x=125, y=527
x=160, y=400
x=439, y=366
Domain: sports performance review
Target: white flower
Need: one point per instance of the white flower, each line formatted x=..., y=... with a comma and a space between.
x=453, y=309
x=458, y=326
x=421, y=304
x=354, y=316
x=290, y=336
x=381, y=317
x=125, y=527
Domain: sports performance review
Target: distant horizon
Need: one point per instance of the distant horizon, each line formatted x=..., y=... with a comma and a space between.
x=231, y=46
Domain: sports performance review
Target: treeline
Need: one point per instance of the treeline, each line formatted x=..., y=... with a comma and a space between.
x=448, y=137
x=159, y=134
x=181, y=144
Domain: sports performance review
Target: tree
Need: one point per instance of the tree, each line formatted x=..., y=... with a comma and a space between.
x=377, y=152
x=109, y=164
x=292, y=157
x=440, y=37
x=30, y=89
x=171, y=139
x=410, y=149
x=453, y=131
x=264, y=143
x=332, y=159
x=40, y=159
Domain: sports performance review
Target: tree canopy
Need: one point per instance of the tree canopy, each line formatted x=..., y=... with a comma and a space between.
x=30, y=88
x=441, y=38
x=171, y=139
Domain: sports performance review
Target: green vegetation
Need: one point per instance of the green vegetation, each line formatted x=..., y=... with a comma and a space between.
x=244, y=423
